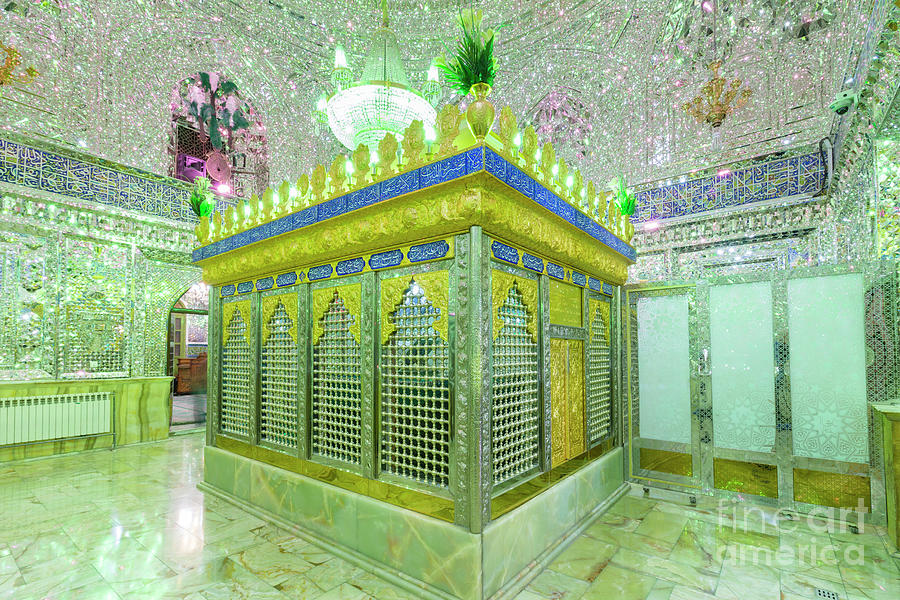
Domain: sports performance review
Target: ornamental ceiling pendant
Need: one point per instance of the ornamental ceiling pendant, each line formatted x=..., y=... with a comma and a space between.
x=12, y=61
x=711, y=106
x=381, y=101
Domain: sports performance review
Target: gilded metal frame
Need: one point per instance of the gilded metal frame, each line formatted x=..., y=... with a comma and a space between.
x=301, y=388
x=367, y=351
x=213, y=364
x=874, y=273
x=697, y=389
x=407, y=271
x=544, y=333
x=613, y=387
x=253, y=329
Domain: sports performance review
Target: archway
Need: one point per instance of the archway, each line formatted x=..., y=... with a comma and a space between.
x=186, y=357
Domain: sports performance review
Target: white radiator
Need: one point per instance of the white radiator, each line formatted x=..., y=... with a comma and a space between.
x=38, y=418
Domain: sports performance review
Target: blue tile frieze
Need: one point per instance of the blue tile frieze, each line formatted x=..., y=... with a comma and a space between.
x=579, y=278
x=505, y=253
x=429, y=251
x=245, y=287
x=781, y=178
x=351, y=266
x=382, y=260
x=286, y=279
x=554, y=270
x=68, y=176
x=532, y=262
x=320, y=272
x=228, y=290
x=265, y=283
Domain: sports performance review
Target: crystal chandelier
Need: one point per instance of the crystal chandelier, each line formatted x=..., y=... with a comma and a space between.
x=381, y=101
x=711, y=106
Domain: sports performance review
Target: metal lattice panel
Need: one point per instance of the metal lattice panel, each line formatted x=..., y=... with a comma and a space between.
x=336, y=397
x=599, y=409
x=515, y=418
x=415, y=393
x=278, y=383
x=235, y=403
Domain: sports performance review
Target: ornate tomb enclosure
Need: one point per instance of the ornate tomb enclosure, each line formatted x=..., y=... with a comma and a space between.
x=406, y=369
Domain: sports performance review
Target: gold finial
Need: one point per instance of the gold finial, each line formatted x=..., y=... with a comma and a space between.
x=384, y=13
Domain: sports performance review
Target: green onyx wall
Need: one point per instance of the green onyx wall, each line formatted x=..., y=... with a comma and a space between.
x=141, y=413
x=429, y=557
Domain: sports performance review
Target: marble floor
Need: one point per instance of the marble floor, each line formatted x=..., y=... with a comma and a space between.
x=131, y=523
x=188, y=408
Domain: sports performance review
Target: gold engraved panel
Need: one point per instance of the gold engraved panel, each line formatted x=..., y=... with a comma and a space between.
x=839, y=490
x=270, y=305
x=501, y=281
x=351, y=295
x=746, y=477
x=565, y=304
x=566, y=400
x=228, y=310
x=666, y=461
x=436, y=285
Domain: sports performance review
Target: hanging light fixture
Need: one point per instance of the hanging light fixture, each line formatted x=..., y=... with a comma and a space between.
x=381, y=101
x=711, y=106
x=715, y=102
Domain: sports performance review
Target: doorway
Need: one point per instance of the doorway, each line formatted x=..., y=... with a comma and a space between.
x=186, y=357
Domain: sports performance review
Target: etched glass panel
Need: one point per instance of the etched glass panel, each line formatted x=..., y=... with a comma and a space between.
x=415, y=393
x=278, y=382
x=599, y=409
x=742, y=364
x=827, y=367
x=516, y=411
x=664, y=362
x=336, y=397
x=235, y=402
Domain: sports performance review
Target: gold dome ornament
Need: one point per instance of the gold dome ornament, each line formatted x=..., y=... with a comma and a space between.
x=711, y=106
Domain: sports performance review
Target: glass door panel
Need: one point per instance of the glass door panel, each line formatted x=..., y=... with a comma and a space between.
x=660, y=403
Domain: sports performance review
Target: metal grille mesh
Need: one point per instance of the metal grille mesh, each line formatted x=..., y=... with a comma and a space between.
x=516, y=402
x=415, y=393
x=336, y=398
x=278, y=381
x=599, y=398
x=235, y=401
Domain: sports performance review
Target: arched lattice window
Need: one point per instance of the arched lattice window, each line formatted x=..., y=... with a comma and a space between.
x=235, y=402
x=232, y=150
x=516, y=412
x=415, y=393
x=599, y=408
x=278, y=377
x=336, y=393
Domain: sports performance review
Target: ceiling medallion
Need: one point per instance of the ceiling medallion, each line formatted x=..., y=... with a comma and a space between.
x=711, y=106
x=381, y=101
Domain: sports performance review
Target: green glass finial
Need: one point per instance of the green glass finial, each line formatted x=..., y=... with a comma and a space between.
x=384, y=13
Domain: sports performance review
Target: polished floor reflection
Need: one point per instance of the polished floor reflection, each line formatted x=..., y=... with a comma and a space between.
x=131, y=523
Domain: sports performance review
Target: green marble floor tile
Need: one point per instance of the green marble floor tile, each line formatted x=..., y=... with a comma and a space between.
x=271, y=563
x=632, y=507
x=333, y=573
x=680, y=592
x=551, y=584
x=665, y=569
x=699, y=547
x=620, y=583
x=529, y=595
x=381, y=589
x=804, y=585
x=737, y=580
x=584, y=559
x=300, y=588
x=629, y=540
x=661, y=526
x=662, y=590
x=345, y=591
